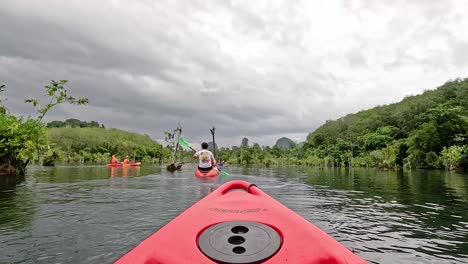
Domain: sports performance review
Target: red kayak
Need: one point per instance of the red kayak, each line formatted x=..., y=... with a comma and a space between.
x=120, y=164
x=211, y=173
x=239, y=223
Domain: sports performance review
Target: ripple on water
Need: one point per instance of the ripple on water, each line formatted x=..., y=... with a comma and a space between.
x=97, y=220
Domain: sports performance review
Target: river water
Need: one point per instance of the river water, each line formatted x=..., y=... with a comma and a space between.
x=94, y=214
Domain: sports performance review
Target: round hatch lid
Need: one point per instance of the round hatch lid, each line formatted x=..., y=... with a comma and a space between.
x=239, y=242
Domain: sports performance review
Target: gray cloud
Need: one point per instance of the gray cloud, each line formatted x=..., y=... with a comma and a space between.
x=461, y=54
x=261, y=70
x=356, y=59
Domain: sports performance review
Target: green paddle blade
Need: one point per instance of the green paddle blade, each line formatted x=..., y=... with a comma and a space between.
x=224, y=174
x=184, y=143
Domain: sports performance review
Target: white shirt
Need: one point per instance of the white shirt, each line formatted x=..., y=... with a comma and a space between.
x=204, y=158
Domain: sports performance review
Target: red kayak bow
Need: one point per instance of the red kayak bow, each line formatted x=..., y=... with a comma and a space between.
x=239, y=223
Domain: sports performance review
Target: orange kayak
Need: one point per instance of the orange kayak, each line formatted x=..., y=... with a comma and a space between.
x=211, y=173
x=120, y=164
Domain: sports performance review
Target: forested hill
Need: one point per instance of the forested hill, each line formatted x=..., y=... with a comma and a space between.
x=97, y=144
x=72, y=122
x=423, y=131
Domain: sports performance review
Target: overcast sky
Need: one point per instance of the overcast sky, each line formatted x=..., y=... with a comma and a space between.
x=255, y=69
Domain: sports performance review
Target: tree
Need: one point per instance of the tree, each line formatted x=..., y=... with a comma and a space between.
x=55, y=124
x=73, y=122
x=93, y=124
x=23, y=139
x=373, y=141
x=452, y=156
x=2, y=108
x=57, y=93
x=173, y=142
x=20, y=141
x=412, y=132
x=449, y=123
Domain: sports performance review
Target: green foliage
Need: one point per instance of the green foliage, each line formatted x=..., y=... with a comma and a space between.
x=99, y=144
x=73, y=123
x=412, y=133
x=372, y=141
x=57, y=93
x=20, y=141
x=424, y=131
x=25, y=139
x=2, y=108
x=452, y=156
x=172, y=140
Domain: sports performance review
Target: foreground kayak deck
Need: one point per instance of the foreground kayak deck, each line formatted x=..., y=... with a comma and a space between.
x=239, y=223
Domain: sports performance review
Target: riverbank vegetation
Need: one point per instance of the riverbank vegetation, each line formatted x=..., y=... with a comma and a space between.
x=98, y=144
x=23, y=139
x=424, y=131
x=72, y=122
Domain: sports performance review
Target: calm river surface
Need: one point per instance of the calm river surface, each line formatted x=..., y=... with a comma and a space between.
x=94, y=214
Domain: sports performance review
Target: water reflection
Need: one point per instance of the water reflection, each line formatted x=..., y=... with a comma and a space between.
x=10, y=182
x=17, y=208
x=407, y=211
x=94, y=214
x=206, y=186
x=124, y=171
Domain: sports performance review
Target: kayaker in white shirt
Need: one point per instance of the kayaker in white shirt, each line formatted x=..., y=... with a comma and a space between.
x=206, y=159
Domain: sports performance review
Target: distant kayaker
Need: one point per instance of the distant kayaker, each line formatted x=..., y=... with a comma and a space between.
x=126, y=160
x=220, y=164
x=206, y=159
x=114, y=159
